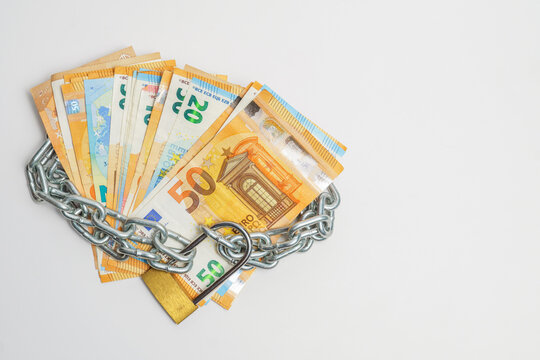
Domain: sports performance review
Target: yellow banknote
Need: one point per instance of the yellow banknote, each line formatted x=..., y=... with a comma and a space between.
x=73, y=95
x=260, y=170
x=119, y=105
x=204, y=101
x=57, y=80
x=138, y=98
x=45, y=102
x=81, y=141
x=148, y=81
x=129, y=127
x=247, y=96
x=44, y=99
x=153, y=122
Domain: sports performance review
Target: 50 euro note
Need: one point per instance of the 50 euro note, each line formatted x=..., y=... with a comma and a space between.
x=228, y=291
x=260, y=170
x=167, y=113
x=45, y=103
x=251, y=92
x=329, y=142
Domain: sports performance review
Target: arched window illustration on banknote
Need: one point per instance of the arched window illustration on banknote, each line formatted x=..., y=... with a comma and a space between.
x=258, y=180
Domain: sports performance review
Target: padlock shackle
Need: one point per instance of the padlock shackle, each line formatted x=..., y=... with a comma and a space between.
x=238, y=265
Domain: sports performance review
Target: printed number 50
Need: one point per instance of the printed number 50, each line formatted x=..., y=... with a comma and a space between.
x=216, y=272
x=197, y=187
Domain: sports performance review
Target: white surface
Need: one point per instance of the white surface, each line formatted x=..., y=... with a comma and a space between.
x=436, y=249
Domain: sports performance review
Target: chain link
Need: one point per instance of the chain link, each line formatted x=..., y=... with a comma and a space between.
x=48, y=182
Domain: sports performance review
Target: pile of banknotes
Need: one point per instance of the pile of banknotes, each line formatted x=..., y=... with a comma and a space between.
x=152, y=140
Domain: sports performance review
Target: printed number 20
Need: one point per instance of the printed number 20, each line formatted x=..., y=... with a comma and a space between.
x=216, y=272
x=193, y=115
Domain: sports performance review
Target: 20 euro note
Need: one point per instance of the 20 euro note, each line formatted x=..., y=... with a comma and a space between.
x=260, y=170
x=203, y=103
x=44, y=99
x=179, y=85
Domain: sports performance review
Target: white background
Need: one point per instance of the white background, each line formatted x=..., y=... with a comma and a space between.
x=436, y=249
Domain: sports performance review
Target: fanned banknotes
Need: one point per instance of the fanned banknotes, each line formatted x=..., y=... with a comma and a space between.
x=185, y=148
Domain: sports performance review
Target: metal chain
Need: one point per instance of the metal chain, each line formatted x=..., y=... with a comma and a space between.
x=48, y=182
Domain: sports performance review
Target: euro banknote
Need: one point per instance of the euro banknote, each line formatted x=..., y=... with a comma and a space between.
x=140, y=91
x=180, y=83
x=73, y=94
x=89, y=177
x=329, y=142
x=57, y=80
x=185, y=148
x=228, y=291
x=76, y=111
x=44, y=99
x=116, y=141
x=150, y=81
x=133, y=93
x=204, y=101
x=98, y=99
x=149, y=136
x=263, y=161
x=253, y=90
